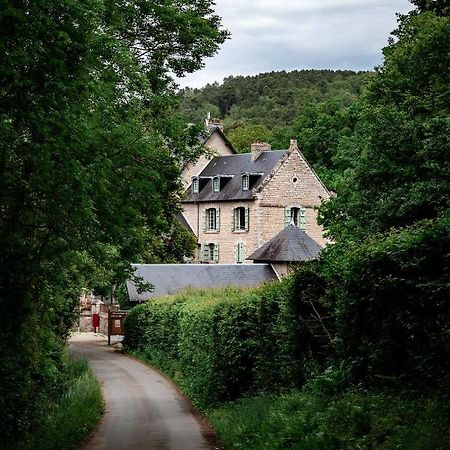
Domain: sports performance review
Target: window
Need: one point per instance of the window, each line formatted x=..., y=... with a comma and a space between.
x=245, y=182
x=297, y=216
x=212, y=219
x=195, y=185
x=216, y=184
x=239, y=220
x=240, y=252
x=210, y=252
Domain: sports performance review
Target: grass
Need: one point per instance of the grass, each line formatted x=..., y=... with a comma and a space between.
x=308, y=420
x=74, y=415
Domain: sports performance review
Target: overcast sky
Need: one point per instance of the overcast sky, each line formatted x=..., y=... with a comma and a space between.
x=269, y=35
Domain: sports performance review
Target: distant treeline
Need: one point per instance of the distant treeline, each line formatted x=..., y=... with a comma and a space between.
x=270, y=99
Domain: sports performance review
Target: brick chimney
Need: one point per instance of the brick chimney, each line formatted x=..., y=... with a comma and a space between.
x=293, y=145
x=258, y=147
x=213, y=123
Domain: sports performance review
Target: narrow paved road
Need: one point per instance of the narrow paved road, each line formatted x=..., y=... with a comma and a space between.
x=143, y=410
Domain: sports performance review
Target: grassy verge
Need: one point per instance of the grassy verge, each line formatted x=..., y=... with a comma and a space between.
x=321, y=417
x=73, y=415
x=356, y=420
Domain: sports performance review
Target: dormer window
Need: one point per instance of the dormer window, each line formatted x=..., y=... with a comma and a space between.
x=245, y=182
x=195, y=185
x=216, y=184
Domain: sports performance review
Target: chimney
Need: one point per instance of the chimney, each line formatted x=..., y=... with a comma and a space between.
x=213, y=123
x=293, y=145
x=258, y=147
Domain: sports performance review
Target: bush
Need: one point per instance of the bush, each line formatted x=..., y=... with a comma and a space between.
x=72, y=415
x=311, y=420
x=221, y=344
x=389, y=299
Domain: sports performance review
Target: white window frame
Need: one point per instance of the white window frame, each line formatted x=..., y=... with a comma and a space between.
x=212, y=220
x=245, y=182
x=216, y=184
x=240, y=219
x=195, y=185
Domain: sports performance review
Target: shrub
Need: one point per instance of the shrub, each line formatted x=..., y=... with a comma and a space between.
x=221, y=344
x=389, y=298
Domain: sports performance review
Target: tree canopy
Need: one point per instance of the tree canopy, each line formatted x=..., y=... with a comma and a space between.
x=401, y=138
x=89, y=163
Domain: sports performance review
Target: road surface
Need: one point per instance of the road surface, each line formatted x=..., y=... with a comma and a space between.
x=143, y=410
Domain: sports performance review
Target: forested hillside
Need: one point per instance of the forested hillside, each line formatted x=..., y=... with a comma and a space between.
x=316, y=107
x=270, y=99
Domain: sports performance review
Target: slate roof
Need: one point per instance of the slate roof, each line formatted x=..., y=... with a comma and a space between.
x=290, y=245
x=169, y=279
x=230, y=169
x=184, y=223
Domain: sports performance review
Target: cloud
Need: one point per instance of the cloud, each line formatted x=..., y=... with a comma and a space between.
x=270, y=35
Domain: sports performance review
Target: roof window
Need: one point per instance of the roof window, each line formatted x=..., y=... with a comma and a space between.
x=216, y=184
x=245, y=182
x=195, y=185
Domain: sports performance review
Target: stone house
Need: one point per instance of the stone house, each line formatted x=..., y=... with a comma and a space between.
x=235, y=203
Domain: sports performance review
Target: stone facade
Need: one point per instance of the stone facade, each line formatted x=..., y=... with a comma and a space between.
x=291, y=184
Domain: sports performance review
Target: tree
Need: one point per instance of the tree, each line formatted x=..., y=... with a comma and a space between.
x=89, y=165
x=243, y=136
x=401, y=174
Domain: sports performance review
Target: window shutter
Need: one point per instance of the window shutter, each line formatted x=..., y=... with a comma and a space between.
x=216, y=252
x=205, y=253
x=302, y=219
x=240, y=252
x=205, y=219
x=287, y=216
x=233, y=219
x=218, y=219
x=247, y=217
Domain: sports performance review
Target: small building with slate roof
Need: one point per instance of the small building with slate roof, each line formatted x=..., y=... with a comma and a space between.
x=290, y=245
x=169, y=279
x=235, y=203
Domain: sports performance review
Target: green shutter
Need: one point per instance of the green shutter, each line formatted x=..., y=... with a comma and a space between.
x=240, y=252
x=205, y=253
x=302, y=219
x=205, y=220
x=216, y=252
x=218, y=219
x=233, y=220
x=247, y=217
x=287, y=216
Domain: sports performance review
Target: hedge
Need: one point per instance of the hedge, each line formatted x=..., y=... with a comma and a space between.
x=221, y=344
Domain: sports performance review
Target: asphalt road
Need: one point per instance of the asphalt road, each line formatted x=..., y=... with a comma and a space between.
x=143, y=410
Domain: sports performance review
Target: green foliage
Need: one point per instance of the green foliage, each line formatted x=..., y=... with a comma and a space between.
x=312, y=420
x=389, y=300
x=221, y=344
x=243, y=136
x=400, y=174
x=90, y=162
x=68, y=417
x=270, y=99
